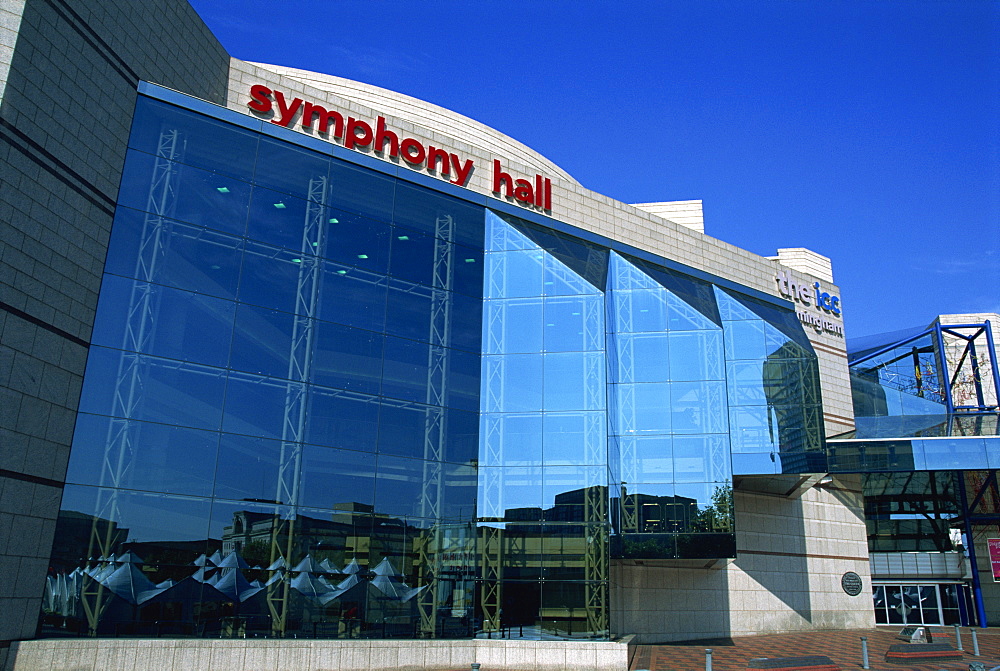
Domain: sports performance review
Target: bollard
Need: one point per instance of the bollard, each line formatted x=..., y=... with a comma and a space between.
x=475, y=666
x=975, y=643
x=864, y=653
x=708, y=659
x=958, y=637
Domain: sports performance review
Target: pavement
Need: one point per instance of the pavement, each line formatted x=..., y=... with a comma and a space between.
x=843, y=647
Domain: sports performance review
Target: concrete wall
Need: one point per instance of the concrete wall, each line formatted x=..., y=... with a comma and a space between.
x=792, y=554
x=68, y=74
x=342, y=655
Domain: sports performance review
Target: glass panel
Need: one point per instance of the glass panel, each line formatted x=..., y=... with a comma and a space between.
x=878, y=595
x=257, y=406
x=158, y=128
x=162, y=390
x=642, y=357
x=139, y=455
x=353, y=297
x=289, y=169
x=574, y=381
x=347, y=358
x=337, y=479
x=356, y=241
x=248, y=468
x=186, y=256
x=166, y=322
x=342, y=419
x=360, y=191
x=262, y=341
x=438, y=214
x=181, y=192
x=696, y=355
x=698, y=407
x=513, y=326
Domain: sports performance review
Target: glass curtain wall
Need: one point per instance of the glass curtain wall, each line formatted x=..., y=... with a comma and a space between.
x=279, y=423
x=324, y=401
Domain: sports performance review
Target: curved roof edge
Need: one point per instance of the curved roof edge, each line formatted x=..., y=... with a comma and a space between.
x=434, y=118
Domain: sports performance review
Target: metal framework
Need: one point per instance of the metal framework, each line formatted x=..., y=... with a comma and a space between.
x=958, y=373
x=300, y=364
x=435, y=423
x=119, y=450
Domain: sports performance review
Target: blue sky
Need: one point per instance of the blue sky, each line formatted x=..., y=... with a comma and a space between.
x=866, y=131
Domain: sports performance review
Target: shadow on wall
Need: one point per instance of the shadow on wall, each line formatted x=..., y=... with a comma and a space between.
x=771, y=555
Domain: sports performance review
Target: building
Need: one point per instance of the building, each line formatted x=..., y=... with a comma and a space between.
x=290, y=356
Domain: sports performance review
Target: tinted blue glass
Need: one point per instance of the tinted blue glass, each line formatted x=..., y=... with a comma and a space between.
x=248, y=467
x=745, y=382
x=292, y=170
x=439, y=215
x=467, y=269
x=412, y=256
x=262, y=341
x=563, y=486
x=758, y=463
x=574, y=324
x=458, y=495
x=195, y=196
x=190, y=327
x=407, y=486
x=513, y=326
x=353, y=297
x=701, y=458
x=189, y=257
x=157, y=522
x=342, y=419
x=753, y=429
x=153, y=456
x=162, y=129
x=559, y=280
x=521, y=272
x=410, y=311
x=942, y=454
x=575, y=438
x=464, y=370
x=640, y=310
x=642, y=357
x=745, y=340
x=696, y=355
x=405, y=369
x=649, y=459
x=270, y=277
x=574, y=381
x=410, y=429
x=521, y=488
x=255, y=405
x=279, y=219
x=514, y=382
x=462, y=436
x=514, y=440
x=698, y=407
x=361, y=191
x=647, y=411
x=347, y=358
x=331, y=477
x=466, y=323
x=356, y=241
x=171, y=392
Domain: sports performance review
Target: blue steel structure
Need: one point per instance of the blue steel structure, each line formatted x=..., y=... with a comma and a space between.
x=909, y=419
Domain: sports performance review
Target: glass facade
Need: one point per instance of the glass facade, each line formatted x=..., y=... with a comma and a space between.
x=323, y=400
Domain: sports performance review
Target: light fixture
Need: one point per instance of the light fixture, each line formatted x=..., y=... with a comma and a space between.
x=362, y=256
x=341, y=272
x=279, y=205
x=222, y=189
x=296, y=260
x=333, y=220
x=470, y=260
x=403, y=237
